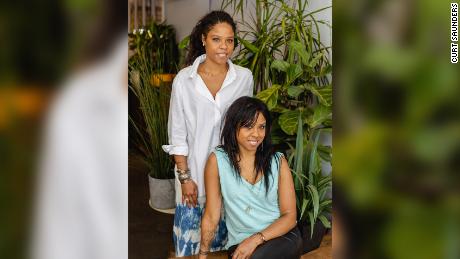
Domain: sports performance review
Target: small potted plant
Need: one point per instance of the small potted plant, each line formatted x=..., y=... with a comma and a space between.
x=313, y=188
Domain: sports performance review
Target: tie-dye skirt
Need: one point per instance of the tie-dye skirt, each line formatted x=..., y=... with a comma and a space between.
x=187, y=231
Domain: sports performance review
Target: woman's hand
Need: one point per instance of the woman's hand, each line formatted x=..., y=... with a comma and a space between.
x=190, y=193
x=247, y=247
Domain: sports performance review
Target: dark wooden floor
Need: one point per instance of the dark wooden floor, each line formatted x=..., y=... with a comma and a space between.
x=150, y=232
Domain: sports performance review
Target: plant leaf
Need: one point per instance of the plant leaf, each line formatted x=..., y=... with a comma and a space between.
x=320, y=114
x=315, y=199
x=280, y=109
x=295, y=90
x=184, y=43
x=294, y=71
x=301, y=50
x=315, y=60
x=312, y=223
x=325, y=203
x=299, y=145
x=325, y=221
x=288, y=121
x=325, y=182
x=325, y=70
x=325, y=153
x=304, y=206
x=280, y=65
x=248, y=45
x=324, y=94
x=312, y=166
x=269, y=96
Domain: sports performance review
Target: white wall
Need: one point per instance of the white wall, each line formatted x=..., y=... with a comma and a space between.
x=184, y=14
x=326, y=15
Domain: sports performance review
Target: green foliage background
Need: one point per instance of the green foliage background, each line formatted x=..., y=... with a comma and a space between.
x=397, y=129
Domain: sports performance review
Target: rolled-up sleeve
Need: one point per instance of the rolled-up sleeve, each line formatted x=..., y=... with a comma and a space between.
x=177, y=129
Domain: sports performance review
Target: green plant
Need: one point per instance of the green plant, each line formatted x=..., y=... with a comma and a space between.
x=292, y=73
x=313, y=187
x=264, y=36
x=151, y=131
x=260, y=39
x=158, y=43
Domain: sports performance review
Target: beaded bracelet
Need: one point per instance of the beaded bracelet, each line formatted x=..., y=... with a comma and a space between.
x=181, y=171
x=183, y=178
x=261, y=236
x=183, y=175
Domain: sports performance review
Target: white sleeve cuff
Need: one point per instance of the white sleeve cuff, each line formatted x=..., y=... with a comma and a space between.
x=175, y=150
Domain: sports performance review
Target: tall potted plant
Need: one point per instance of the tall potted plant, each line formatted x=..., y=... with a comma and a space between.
x=150, y=131
x=302, y=106
x=291, y=68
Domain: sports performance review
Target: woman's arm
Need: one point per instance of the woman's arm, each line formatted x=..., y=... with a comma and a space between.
x=287, y=220
x=286, y=197
x=178, y=146
x=211, y=215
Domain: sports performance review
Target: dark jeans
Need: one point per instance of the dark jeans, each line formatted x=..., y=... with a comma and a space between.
x=288, y=246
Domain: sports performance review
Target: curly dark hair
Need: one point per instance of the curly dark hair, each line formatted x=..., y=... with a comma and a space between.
x=203, y=26
x=244, y=113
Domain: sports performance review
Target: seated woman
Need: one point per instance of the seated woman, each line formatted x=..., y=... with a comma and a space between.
x=256, y=188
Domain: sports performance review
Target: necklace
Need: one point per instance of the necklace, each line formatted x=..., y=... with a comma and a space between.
x=201, y=70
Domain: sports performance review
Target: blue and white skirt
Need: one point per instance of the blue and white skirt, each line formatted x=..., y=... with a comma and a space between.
x=187, y=231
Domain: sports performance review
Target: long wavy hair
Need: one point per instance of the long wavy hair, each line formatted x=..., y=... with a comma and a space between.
x=203, y=26
x=244, y=113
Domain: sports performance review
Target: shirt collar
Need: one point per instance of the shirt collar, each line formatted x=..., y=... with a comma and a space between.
x=231, y=68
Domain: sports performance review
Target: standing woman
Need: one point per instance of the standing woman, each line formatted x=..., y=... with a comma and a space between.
x=201, y=94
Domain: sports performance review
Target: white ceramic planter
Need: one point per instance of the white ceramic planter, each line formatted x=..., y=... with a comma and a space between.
x=162, y=193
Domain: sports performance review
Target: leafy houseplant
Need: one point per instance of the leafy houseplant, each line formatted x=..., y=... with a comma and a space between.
x=155, y=51
x=158, y=43
x=291, y=69
x=312, y=186
x=151, y=132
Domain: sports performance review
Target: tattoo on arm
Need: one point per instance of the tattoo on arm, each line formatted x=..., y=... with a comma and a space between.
x=207, y=235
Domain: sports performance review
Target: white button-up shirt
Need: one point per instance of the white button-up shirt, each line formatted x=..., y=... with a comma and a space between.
x=195, y=117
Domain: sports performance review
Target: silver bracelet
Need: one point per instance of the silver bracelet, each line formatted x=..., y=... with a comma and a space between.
x=183, y=178
x=180, y=171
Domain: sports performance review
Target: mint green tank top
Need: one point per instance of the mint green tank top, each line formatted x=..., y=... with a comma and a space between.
x=248, y=209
